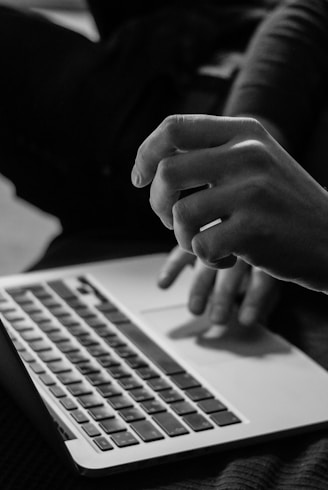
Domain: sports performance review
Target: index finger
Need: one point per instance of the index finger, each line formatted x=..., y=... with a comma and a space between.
x=182, y=133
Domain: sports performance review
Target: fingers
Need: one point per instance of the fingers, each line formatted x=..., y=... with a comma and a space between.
x=259, y=298
x=198, y=210
x=201, y=288
x=186, y=171
x=175, y=263
x=226, y=289
x=185, y=132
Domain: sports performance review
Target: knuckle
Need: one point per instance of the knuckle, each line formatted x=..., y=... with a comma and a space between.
x=155, y=205
x=255, y=127
x=172, y=125
x=165, y=171
x=200, y=249
x=256, y=152
x=181, y=213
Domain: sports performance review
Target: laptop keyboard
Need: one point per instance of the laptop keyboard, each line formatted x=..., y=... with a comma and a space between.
x=115, y=383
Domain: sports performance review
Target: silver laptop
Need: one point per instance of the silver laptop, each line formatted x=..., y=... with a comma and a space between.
x=117, y=374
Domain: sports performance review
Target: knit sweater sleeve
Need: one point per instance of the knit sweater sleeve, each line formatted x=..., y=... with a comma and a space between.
x=284, y=78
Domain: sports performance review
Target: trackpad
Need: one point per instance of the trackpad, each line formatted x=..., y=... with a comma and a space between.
x=195, y=340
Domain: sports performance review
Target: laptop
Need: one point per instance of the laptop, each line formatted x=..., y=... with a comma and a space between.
x=118, y=375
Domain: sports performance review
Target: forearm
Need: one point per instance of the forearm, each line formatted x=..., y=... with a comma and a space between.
x=285, y=74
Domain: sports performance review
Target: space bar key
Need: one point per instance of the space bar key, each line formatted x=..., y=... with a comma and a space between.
x=150, y=348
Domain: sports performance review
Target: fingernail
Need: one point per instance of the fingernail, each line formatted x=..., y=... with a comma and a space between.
x=196, y=305
x=247, y=316
x=163, y=280
x=218, y=315
x=135, y=176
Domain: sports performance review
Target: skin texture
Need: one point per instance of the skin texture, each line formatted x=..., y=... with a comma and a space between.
x=273, y=212
x=219, y=291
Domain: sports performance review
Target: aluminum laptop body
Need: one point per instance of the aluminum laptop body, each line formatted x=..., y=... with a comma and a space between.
x=118, y=374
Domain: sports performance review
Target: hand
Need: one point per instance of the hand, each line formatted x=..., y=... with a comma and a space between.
x=219, y=290
x=273, y=214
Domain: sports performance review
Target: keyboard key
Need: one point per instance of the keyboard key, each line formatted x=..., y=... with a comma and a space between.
x=22, y=325
x=115, y=317
x=118, y=371
x=147, y=431
x=184, y=381
x=18, y=345
x=112, y=425
x=170, y=424
x=84, y=312
x=158, y=384
x=135, y=362
x=131, y=414
x=78, y=389
x=183, y=408
x=57, y=391
x=105, y=330
x=47, y=379
x=153, y=406
x=152, y=350
x=87, y=340
x=48, y=327
x=40, y=292
x=61, y=289
x=69, y=378
x=147, y=373
x=77, y=330
x=91, y=429
x=59, y=366
x=37, y=367
x=27, y=356
x=98, y=378
x=67, y=347
x=76, y=357
x=115, y=341
x=170, y=396
x=40, y=345
x=31, y=307
x=107, y=306
x=211, y=405
x=141, y=394
x=108, y=361
x=74, y=302
x=124, y=439
x=119, y=402
x=13, y=316
x=50, y=302
x=31, y=335
x=101, y=413
x=102, y=443
x=89, y=401
x=59, y=311
x=39, y=317
x=79, y=416
x=225, y=418
x=94, y=321
x=57, y=337
x=197, y=394
x=49, y=356
x=108, y=390
x=125, y=351
x=71, y=322
x=88, y=368
x=197, y=422
x=97, y=350
x=130, y=383
x=68, y=403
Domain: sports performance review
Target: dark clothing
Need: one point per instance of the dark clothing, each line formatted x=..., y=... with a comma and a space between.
x=74, y=112
x=69, y=149
x=285, y=75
